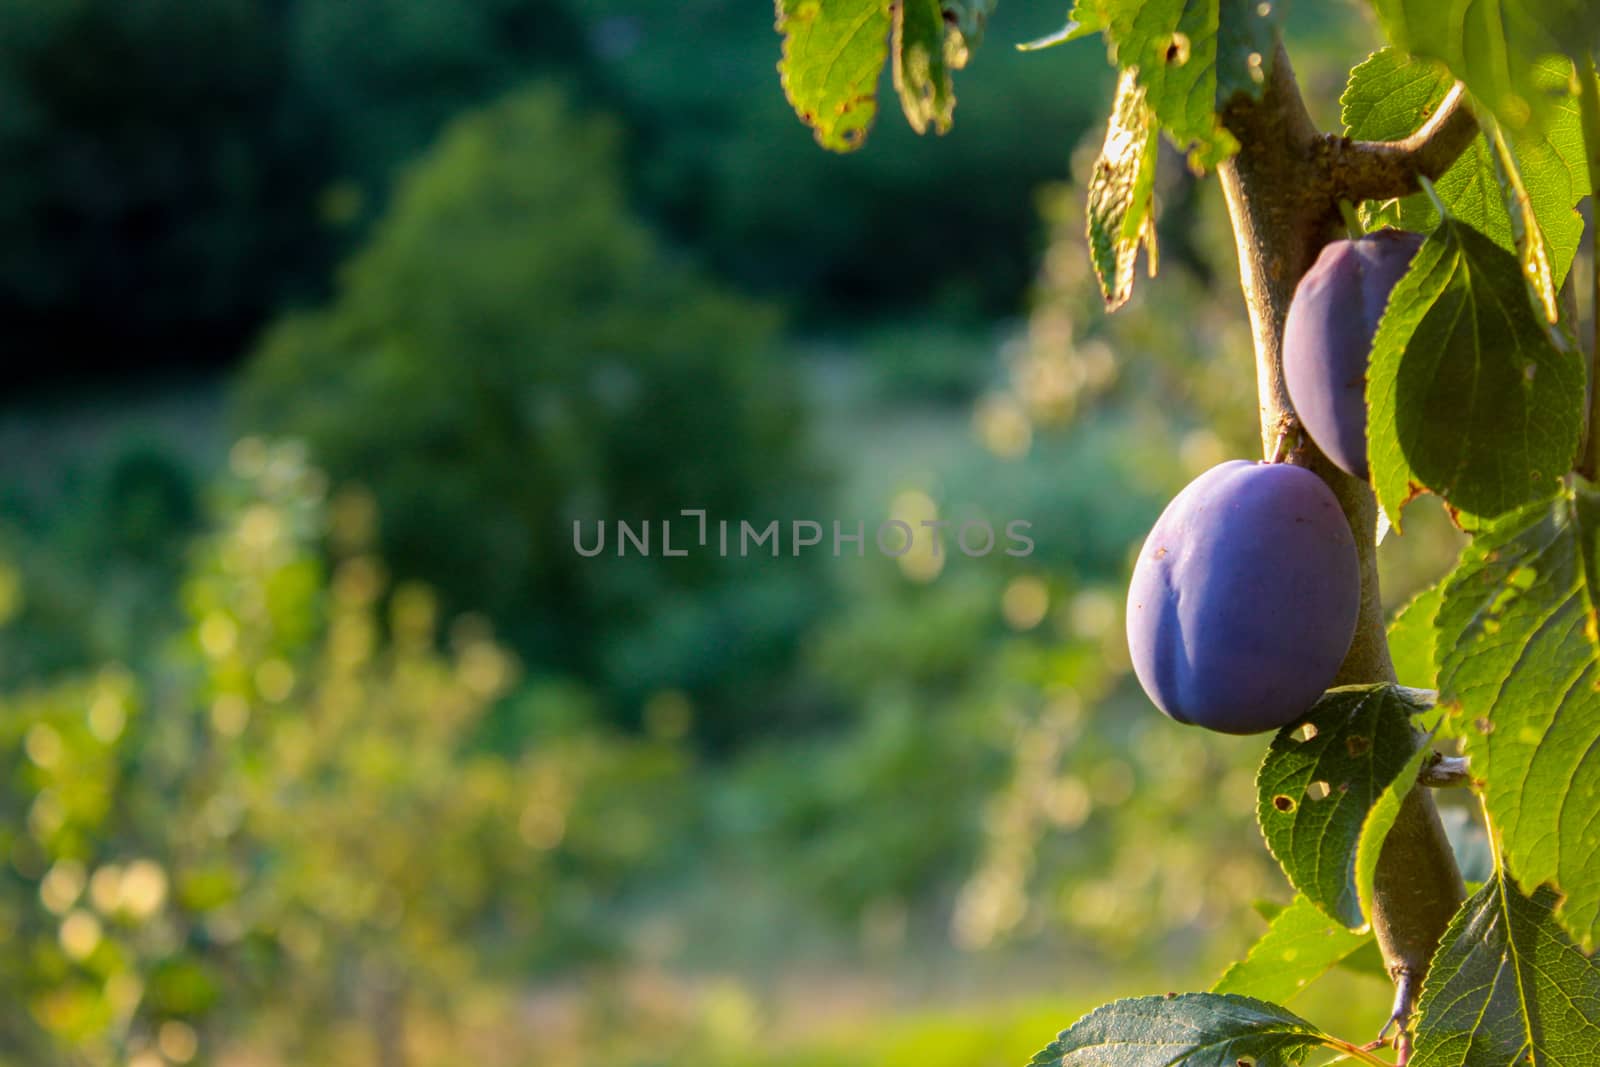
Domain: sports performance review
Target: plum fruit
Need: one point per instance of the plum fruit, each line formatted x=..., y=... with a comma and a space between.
x=1244, y=598
x=1328, y=337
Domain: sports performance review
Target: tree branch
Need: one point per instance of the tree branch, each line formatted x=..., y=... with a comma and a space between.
x=1283, y=190
x=1382, y=170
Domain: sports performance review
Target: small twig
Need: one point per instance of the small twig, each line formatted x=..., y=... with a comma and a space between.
x=1441, y=772
x=1383, y=170
x=1364, y=1053
x=1280, y=450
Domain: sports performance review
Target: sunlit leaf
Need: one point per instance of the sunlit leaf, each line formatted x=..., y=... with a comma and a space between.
x=1527, y=238
x=1191, y=57
x=834, y=52
x=1120, y=193
x=1380, y=820
x=1495, y=47
x=1468, y=398
x=1508, y=987
x=1300, y=946
x=1320, y=779
x=1519, y=665
x=922, y=71
x=967, y=19
x=1194, y=1029
x=1389, y=96
x=1412, y=638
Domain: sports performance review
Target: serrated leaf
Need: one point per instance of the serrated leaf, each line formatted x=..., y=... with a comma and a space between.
x=1519, y=665
x=1527, y=238
x=1390, y=94
x=1193, y=1029
x=923, y=73
x=1120, y=193
x=1191, y=57
x=1313, y=793
x=1300, y=946
x=834, y=52
x=1380, y=820
x=1507, y=987
x=1495, y=47
x=1466, y=394
x=1412, y=639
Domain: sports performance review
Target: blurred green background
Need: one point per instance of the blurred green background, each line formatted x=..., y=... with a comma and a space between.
x=322, y=322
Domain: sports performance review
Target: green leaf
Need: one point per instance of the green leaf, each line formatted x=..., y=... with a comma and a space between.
x=1191, y=58
x=1087, y=17
x=1120, y=193
x=1300, y=946
x=834, y=52
x=1380, y=820
x=1388, y=97
x=1466, y=394
x=923, y=74
x=1246, y=46
x=967, y=19
x=1519, y=665
x=1507, y=987
x=1313, y=792
x=1495, y=47
x=1192, y=1029
x=1527, y=238
x=1412, y=639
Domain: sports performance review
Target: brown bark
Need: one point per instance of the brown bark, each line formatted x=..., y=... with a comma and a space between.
x=1283, y=190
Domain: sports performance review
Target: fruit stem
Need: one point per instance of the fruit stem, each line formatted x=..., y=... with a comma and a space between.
x=1352, y=220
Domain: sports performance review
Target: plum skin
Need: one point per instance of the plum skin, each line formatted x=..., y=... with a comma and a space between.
x=1244, y=598
x=1327, y=339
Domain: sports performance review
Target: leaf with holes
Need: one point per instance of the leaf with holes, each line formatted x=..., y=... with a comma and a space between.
x=834, y=52
x=1120, y=192
x=1319, y=781
x=1191, y=57
x=1388, y=97
x=1193, y=1029
x=1412, y=639
x=1467, y=396
x=1508, y=987
x=1495, y=47
x=923, y=72
x=1519, y=668
x=1300, y=946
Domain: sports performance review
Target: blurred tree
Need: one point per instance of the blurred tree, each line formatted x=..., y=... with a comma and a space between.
x=286, y=830
x=513, y=353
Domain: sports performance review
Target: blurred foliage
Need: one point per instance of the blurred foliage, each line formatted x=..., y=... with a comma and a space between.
x=196, y=165
x=185, y=165
x=513, y=354
x=288, y=820
x=98, y=559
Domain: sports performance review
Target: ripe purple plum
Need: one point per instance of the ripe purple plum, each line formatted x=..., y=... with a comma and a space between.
x=1327, y=339
x=1244, y=598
